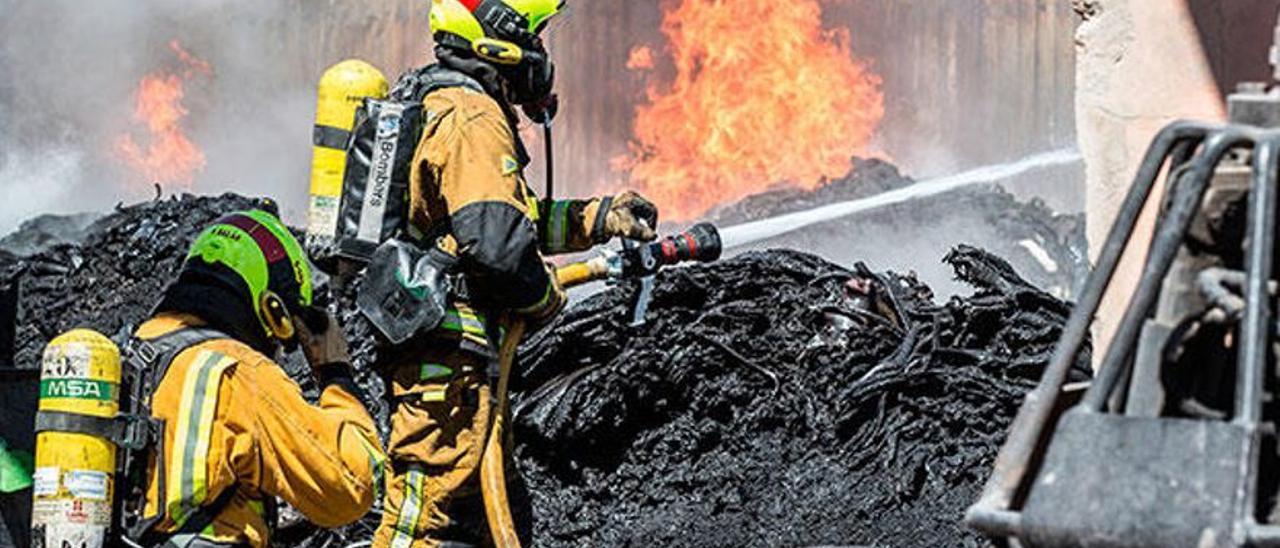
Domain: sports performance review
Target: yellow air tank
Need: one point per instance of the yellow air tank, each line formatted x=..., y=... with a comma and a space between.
x=342, y=89
x=72, y=482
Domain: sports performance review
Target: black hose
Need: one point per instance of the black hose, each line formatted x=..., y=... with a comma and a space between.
x=547, y=146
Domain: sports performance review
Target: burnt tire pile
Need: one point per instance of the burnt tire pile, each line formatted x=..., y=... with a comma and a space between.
x=776, y=399
x=113, y=277
x=770, y=399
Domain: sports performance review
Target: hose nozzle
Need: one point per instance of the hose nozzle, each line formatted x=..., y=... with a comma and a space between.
x=700, y=243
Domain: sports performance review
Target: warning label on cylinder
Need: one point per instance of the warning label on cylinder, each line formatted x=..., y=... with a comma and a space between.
x=44, y=481
x=66, y=361
x=87, y=484
x=323, y=217
x=73, y=511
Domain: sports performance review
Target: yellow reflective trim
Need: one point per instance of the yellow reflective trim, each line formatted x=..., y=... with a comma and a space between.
x=200, y=466
x=558, y=226
x=541, y=304
x=187, y=483
x=410, y=510
x=466, y=322
x=431, y=371
x=476, y=339
x=531, y=203
x=377, y=463
x=434, y=395
x=173, y=483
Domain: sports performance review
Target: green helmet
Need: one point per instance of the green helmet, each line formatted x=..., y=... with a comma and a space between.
x=255, y=251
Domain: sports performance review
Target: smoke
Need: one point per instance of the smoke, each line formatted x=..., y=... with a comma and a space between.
x=43, y=176
x=911, y=225
x=768, y=228
x=69, y=69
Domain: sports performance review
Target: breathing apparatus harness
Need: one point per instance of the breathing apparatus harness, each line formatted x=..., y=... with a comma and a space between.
x=218, y=293
x=146, y=363
x=407, y=284
x=140, y=439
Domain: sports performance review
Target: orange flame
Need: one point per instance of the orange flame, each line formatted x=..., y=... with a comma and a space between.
x=762, y=95
x=641, y=58
x=169, y=156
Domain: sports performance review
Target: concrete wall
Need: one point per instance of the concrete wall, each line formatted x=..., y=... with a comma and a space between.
x=967, y=82
x=1142, y=64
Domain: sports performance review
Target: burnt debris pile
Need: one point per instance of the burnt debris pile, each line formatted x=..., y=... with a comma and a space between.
x=772, y=398
x=778, y=399
x=866, y=178
x=110, y=278
x=46, y=231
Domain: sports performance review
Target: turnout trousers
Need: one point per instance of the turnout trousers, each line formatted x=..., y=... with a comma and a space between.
x=439, y=422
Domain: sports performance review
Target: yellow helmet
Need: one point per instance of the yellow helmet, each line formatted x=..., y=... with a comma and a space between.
x=497, y=30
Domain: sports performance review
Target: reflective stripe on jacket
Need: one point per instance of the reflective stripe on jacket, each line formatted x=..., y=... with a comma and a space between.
x=234, y=419
x=467, y=179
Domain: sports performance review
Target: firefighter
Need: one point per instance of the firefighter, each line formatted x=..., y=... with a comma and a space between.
x=468, y=192
x=237, y=431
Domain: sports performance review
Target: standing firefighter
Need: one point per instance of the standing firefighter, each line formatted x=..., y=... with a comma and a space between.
x=467, y=191
x=236, y=429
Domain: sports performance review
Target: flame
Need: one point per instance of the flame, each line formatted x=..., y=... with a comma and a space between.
x=169, y=157
x=762, y=95
x=641, y=58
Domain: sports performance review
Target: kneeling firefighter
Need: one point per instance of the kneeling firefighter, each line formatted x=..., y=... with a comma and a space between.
x=236, y=431
x=467, y=193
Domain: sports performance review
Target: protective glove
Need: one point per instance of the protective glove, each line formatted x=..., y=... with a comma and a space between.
x=324, y=346
x=630, y=215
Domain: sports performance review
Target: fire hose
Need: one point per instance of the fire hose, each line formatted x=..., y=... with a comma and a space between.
x=701, y=243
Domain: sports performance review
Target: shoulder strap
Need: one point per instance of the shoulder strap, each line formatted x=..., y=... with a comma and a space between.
x=415, y=85
x=151, y=358
x=146, y=361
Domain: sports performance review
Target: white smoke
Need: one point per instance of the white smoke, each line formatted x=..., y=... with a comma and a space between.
x=42, y=177
x=763, y=229
x=69, y=68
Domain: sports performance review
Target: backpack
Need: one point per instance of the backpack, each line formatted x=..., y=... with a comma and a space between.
x=374, y=205
x=406, y=284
